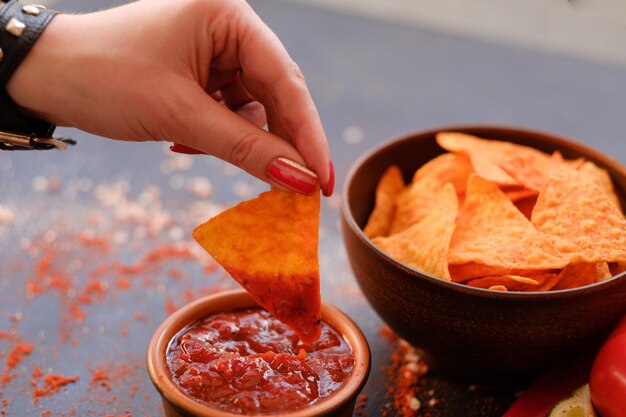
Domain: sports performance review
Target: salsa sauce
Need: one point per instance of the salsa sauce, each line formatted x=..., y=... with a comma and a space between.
x=246, y=361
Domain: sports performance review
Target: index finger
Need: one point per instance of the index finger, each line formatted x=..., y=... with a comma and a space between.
x=271, y=76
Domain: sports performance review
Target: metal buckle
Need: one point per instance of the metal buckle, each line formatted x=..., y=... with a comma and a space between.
x=16, y=141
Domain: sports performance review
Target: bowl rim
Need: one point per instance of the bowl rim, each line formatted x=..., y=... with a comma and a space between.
x=472, y=129
x=237, y=299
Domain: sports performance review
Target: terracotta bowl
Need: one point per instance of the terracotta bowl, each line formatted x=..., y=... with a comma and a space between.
x=467, y=330
x=178, y=404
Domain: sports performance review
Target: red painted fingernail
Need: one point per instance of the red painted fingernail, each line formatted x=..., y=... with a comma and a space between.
x=178, y=148
x=292, y=176
x=330, y=187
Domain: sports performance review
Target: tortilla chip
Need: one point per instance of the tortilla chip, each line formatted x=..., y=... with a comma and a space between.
x=582, y=221
x=510, y=282
x=269, y=246
x=578, y=275
x=602, y=179
x=492, y=231
x=472, y=270
x=557, y=157
x=483, y=154
x=425, y=245
x=418, y=199
x=519, y=193
x=387, y=191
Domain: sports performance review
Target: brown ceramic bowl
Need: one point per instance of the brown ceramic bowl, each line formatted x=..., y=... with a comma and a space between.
x=178, y=404
x=469, y=330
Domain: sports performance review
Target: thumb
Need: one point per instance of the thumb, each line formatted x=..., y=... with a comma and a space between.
x=215, y=130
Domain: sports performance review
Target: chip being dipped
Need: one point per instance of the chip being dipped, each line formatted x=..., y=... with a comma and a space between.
x=269, y=245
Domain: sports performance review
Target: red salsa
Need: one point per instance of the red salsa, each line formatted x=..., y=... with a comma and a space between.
x=246, y=361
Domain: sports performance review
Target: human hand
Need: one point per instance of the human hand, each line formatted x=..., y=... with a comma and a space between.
x=205, y=74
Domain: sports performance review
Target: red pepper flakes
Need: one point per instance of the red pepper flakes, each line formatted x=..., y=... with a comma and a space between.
x=99, y=377
x=19, y=351
x=360, y=408
x=403, y=376
x=123, y=283
x=52, y=384
x=170, y=307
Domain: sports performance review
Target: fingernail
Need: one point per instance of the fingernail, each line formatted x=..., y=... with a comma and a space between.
x=292, y=176
x=178, y=148
x=327, y=191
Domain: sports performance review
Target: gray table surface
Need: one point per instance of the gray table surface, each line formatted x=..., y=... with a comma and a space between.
x=371, y=81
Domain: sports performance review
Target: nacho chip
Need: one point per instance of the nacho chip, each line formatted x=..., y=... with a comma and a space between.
x=483, y=154
x=539, y=282
x=508, y=282
x=387, y=191
x=602, y=179
x=572, y=209
x=578, y=275
x=472, y=270
x=503, y=163
x=425, y=245
x=492, y=231
x=418, y=199
x=269, y=246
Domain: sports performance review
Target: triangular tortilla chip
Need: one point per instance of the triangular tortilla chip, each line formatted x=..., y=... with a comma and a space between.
x=492, y=231
x=483, y=154
x=387, y=191
x=425, y=245
x=503, y=163
x=269, y=245
x=602, y=179
x=504, y=282
x=575, y=210
x=578, y=275
x=418, y=199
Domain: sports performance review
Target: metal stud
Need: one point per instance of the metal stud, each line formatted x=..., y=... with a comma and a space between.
x=15, y=27
x=31, y=9
x=1, y=54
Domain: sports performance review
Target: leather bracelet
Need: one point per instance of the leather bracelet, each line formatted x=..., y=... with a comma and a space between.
x=20, y=27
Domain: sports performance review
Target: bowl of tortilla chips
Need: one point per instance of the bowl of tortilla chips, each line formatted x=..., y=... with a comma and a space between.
x=495, y=250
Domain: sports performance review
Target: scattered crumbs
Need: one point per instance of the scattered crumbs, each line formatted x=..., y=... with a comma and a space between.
x=200, y=187
x=7, y=216
x=52, y=383
x=405, y=377
x=360, y=408
x=176, y=162
x=14, y=358
x=242, y=189
x=353, y=135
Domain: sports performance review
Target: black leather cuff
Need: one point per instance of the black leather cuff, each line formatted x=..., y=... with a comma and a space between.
x=20, y=27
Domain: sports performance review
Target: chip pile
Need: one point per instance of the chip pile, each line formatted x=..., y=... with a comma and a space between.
x=502, y=216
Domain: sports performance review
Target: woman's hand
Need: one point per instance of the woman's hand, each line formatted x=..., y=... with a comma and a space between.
x=206, y=74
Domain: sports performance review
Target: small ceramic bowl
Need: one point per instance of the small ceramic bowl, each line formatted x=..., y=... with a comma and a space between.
x=178, y=404
x=469, y=330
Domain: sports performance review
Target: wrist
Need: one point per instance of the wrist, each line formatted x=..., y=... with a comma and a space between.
x=20, y=28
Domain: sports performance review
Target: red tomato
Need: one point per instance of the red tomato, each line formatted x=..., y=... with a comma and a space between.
x=607, y=382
